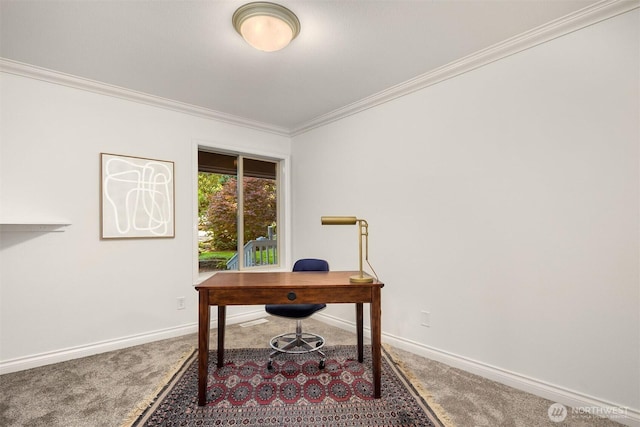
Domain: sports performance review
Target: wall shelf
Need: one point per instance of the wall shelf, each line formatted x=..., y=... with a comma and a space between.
x=33, y=226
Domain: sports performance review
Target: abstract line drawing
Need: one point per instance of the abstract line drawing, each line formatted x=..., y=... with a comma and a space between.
x=137, y=197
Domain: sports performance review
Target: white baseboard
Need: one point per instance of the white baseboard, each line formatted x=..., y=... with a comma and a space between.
x=57, y=356
x=570, y=398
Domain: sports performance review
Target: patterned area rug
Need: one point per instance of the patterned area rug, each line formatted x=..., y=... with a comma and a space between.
x=296, y=393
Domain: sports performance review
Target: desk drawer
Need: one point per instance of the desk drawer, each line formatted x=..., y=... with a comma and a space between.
x=346, y=294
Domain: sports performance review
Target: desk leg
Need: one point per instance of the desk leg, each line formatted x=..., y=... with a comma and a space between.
x=203, y=345
x=359, y=331
x=376, y=342
x=222, y=318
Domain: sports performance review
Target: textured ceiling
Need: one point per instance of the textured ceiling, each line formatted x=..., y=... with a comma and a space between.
x=188, y=51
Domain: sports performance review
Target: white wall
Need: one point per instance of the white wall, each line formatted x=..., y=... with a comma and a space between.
x=505, y=202
x=70, y=293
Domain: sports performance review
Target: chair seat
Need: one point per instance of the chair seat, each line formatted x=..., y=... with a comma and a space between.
x=295, y=311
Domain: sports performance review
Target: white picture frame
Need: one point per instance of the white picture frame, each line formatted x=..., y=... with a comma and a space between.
x=136, y=197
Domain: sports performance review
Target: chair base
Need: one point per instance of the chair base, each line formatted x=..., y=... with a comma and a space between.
x=296, y=343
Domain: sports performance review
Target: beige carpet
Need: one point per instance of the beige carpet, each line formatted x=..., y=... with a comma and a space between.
x=106, y=389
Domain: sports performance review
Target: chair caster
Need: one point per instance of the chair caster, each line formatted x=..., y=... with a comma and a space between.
x=270, y=366
x=319, y=344
x=321, y=364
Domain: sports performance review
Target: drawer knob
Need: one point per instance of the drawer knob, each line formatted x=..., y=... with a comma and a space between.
x=292, y=296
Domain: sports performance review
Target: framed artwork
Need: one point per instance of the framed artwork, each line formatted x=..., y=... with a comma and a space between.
x=137, y=197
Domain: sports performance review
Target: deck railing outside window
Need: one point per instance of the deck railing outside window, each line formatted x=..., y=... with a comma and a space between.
x=257, y=252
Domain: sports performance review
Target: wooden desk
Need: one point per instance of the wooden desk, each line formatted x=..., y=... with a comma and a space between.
x=244, y=288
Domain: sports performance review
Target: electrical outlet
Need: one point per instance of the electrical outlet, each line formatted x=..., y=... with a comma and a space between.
x=180, y=303
x=425, y=319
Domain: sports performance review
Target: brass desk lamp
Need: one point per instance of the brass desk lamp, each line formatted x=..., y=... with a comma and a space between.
x=363, y=233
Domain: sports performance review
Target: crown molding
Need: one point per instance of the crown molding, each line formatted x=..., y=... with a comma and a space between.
x=30, y=71
x=585, y=17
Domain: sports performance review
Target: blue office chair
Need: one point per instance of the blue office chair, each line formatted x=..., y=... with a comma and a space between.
x=298, y=342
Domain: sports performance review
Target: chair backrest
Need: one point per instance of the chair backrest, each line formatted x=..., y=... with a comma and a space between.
x=311, y=264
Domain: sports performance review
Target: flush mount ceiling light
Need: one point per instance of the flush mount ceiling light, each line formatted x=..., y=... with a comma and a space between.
x=266, y=26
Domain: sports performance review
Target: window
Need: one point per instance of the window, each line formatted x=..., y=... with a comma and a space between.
x=238, y=212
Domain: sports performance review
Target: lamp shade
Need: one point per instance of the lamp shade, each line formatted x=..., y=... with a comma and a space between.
x=338, y=220
x=266, y=26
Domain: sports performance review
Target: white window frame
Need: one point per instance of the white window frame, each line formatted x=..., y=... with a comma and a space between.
x=283, y=194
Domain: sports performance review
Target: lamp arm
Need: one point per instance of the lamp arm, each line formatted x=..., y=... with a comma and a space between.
x=364, y=234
